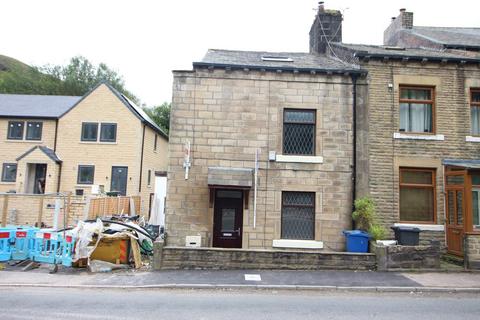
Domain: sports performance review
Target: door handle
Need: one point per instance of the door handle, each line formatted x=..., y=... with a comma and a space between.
x=238, y=231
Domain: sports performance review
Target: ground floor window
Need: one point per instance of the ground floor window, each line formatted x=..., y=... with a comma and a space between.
x=298, y=215
x=417, y=195
x=476, y=201
x=85, y=174
x=9, y=172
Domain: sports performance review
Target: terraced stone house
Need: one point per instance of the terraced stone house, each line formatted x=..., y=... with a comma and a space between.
x=73, y=144
x=418, y=152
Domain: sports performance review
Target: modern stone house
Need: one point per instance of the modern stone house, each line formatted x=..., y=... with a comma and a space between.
x=292, y=109
x=418, y=150
x=78, y=144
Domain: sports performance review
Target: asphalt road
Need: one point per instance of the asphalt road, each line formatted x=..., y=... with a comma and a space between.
x=42, y=303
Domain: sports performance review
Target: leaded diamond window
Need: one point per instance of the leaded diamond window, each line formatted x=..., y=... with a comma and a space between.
x=299, y=132
x=298, y=215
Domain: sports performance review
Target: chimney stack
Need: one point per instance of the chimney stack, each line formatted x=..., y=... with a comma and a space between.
x=327, y=27
x=402, y=22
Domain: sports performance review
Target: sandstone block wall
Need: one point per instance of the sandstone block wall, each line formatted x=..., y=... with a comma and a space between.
x=473, y=251
x=207, y=258
x=226, y=116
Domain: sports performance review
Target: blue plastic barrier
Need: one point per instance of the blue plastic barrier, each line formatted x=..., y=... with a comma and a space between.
x=6, y=239
x=47, y=247
x=23, y=243
x=68, y=247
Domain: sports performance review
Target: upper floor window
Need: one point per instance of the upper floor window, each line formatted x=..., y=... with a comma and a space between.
x=34, y=130
x=108, y=132
x=15, y=130
x=299, y=132
x=298, y=215
x=89, y=131
x=417, y=109
x=9, y=172
x=475, y=111
x=417, y=195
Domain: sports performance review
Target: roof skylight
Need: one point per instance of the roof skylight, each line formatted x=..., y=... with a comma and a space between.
x=277, y=58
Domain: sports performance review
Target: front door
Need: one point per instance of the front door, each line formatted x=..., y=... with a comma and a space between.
x=455, y=205
x=40, y=178
x=119, y=180
x=228, y=219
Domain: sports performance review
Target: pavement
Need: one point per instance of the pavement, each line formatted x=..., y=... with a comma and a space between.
x=259, y=279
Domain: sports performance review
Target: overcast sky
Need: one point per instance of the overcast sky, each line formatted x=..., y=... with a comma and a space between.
x=145, y=40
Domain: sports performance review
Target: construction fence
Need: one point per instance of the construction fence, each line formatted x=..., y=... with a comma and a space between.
x=41, y=209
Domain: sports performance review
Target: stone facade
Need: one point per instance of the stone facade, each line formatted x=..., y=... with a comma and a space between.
x=228, y=115
x=473, y=251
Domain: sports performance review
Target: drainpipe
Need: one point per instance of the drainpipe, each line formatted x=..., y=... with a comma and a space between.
x=141, y=160
x=59, y=176
x=354, y=129
x=56, y=135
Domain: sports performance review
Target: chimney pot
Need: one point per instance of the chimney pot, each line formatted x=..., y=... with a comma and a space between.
x=393, y=18
x=403, y=10
x=321, y=7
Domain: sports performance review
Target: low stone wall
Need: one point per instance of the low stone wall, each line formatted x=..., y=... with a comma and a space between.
x=428, y=238
x=472, y=254
x=221, y=258
x=28, y=209
x=406, y=257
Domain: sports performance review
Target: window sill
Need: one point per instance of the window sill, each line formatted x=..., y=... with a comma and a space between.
x=98, y=142
x=413, y=136
x=7, y=182
x=297, y=244
x=25, y=141
x=472, y=139
x=422, y=227
x=299, y=159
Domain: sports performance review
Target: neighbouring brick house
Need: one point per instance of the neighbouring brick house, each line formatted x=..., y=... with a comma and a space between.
x=296, y=110
x=419, y=139
x=71, y=144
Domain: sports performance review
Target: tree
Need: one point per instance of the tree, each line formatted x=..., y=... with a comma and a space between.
x=161, y=115
x=80, y=76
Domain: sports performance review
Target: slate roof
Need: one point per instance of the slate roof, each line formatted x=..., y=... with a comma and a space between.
x=54, y=107
x=301, y=61
x=49, y=152
x=450, y=36
x=362, y=50
x=35, y=106
x=137, y=111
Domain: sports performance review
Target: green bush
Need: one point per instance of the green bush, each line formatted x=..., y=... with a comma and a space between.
x=364, y=214
x=377, y=232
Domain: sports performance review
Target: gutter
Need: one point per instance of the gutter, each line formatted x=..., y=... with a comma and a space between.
x=281, y=68
x=414, y=57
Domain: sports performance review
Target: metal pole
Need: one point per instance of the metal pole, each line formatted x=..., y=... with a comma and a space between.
x=255, y=191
